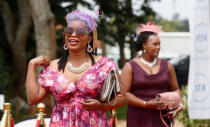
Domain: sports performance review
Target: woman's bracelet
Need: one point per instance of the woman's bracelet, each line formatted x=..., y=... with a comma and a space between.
x=181, y=105
x=145, y=103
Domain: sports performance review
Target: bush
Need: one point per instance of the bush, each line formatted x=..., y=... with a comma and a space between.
x=184, y=117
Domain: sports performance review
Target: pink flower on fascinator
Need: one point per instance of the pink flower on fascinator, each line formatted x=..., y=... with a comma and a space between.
x=149, y=27
x=97, y=12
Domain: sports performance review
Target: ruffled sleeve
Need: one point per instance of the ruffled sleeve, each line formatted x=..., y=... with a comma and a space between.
x=110, y=65
x=43, y=79
x=106, y=68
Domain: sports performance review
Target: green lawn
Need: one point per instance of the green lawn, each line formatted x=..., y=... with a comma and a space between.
x=122, y=112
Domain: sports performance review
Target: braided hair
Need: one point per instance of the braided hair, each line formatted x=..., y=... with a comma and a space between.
x=65, y=54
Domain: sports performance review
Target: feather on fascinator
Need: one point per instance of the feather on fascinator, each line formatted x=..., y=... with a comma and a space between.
x=149, y=27
x=89, y=20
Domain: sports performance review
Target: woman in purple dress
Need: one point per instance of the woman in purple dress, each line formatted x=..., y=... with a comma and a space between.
x=146, y=76
x=75, y=79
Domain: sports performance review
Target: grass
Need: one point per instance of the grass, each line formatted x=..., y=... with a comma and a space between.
x=122, y=112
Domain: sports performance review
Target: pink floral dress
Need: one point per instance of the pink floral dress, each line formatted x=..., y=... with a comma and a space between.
x=68, y=112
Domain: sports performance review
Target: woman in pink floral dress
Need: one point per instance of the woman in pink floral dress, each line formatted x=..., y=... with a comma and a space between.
x=75, y=79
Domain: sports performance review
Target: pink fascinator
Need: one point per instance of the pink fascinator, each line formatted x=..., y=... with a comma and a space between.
x=149, y=27
x=89, y=20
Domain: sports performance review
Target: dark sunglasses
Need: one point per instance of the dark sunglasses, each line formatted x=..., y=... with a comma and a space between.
x=79, y=31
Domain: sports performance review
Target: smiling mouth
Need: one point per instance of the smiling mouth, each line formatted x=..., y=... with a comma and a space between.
x=73, y=41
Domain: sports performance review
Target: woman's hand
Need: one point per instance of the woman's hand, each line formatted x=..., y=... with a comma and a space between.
x=91, y=104
x=154, y=104
x=175, y=112
x=40, y=61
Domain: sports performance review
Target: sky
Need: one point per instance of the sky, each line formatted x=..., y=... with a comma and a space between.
x=172, y=7
x=165, y=8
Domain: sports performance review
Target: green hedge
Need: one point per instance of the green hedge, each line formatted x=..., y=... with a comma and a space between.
x=183, y=116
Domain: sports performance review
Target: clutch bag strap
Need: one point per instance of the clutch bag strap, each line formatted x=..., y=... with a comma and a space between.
x=114, y=89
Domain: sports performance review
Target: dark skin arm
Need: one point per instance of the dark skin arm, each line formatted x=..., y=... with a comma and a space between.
x=35, y=93
x=132, y=99
x=174, y=87
x=173, y=80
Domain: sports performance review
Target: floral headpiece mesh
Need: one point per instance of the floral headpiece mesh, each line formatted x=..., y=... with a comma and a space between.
x=149, y=27
x=90, y=21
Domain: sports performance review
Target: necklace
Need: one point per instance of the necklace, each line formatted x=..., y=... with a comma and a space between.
x=79, y=69
x=149, y=64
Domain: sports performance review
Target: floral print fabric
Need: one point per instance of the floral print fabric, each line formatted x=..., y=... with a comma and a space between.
x=68, y=112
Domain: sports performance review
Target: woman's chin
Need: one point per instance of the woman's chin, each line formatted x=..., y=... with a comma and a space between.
x=156, y=55
x=73, y=45
x=74, y=48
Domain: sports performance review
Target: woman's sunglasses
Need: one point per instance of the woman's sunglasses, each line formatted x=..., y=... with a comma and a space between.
x=79, y=31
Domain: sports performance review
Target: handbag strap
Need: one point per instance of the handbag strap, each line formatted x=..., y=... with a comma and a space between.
x=114, y=90
x=164, y=122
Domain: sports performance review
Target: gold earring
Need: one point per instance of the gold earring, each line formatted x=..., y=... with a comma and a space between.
x=95, y=39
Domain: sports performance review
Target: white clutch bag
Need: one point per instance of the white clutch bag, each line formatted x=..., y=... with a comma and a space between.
x=110, y=88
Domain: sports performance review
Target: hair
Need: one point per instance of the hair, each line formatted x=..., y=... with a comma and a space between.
x=65, y=54
x=142, y=38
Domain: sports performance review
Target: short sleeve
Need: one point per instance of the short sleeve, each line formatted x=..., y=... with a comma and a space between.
x=42, y=79
x=111, y=65
x=106, y=68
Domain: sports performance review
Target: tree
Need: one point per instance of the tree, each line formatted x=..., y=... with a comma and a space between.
x=44, y=23
x=174, y=25
x=17, y=19
x=17, y=26
x=121, y=21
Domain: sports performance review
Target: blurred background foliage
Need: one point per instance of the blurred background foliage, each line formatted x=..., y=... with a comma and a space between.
x=118, y=24
x=184, y=117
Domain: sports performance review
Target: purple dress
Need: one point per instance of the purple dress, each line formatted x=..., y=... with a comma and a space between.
x=146, y=87
x=68, y=112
